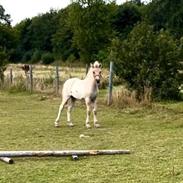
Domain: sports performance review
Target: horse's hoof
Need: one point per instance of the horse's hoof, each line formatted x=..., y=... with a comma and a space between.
x=88, y=126
x=57, y=125
x=97, y=125
x=70, y=124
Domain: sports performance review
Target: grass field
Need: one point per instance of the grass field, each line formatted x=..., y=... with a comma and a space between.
x=153, y=134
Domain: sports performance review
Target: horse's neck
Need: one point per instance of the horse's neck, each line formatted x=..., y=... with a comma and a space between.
x=89, y=76
x=89, y=79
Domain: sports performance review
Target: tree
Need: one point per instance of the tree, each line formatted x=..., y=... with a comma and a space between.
x=126, y=17
x=4, y=18
x=7, y=40
x=91, y=28
x=166, y=14
x=35, y=35
x=62, y=39
x=149, y=60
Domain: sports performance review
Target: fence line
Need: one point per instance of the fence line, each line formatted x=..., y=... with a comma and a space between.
x=48, y=79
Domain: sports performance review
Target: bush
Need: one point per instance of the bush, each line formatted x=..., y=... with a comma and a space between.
x=27, y=56
x=36, y=57
x=3, y=57
x=148, y=60
x=47, y=58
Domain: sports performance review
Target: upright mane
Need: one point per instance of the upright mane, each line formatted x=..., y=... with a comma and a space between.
x=96, y=64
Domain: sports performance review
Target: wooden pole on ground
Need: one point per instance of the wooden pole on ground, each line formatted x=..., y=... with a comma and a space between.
x=7, y=160
x=61, y=153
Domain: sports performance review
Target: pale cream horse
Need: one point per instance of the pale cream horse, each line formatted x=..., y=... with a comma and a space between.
x=86, y=89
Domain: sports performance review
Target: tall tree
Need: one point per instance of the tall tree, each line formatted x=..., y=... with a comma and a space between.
x=89, y=20
x=126, y=17
x=166, y=14
x=7, y=40
x=4, y=18
x=62, y=39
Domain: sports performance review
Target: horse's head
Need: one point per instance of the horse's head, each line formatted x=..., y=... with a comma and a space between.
x=96, y=71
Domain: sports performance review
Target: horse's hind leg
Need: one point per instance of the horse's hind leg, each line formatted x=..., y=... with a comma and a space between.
x=64, y=101
x=69, y=109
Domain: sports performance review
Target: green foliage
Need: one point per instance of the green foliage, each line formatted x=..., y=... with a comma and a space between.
x=36, y=34
x=27, y=56
x=4, y=18
x=3, y=61
x=166, y=14
x=125, y=18
x=90, y=23
x=62, y=39
x=47, y=58
x=148, y=60
x=36, y=57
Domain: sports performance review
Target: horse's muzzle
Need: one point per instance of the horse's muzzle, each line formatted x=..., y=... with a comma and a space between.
x=98, y=81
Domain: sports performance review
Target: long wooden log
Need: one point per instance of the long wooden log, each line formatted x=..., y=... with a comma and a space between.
x=7, y=160
x=61, y=153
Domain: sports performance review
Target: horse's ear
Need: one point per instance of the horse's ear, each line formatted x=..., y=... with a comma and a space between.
x=91, y=65
x=100, y=65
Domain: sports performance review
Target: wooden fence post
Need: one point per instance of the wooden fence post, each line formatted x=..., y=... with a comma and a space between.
x=57, y=79
x=31, y=79
x=87, y=68
x=11, y=76
x=109, y=101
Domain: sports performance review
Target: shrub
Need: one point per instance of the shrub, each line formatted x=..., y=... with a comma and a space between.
x=19, y=85
x=27, y=56
x=148, y=60
x=36, y=57
x=47, y=58
x=3, y=57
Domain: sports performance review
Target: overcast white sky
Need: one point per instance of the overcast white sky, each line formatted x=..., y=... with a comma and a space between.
x=21, y=9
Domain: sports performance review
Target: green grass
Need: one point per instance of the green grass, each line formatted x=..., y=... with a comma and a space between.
x=154, y=135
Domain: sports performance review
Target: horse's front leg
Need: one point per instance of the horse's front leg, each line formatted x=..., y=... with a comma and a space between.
x=64, y=101
x=96, y=124
x=88, y=112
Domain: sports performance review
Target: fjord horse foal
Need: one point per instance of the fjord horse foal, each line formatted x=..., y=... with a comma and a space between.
x=86, y=89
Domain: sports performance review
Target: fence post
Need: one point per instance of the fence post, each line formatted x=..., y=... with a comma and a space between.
x=87, y=68
x=57, y=79
x=11, y=76
x=109, y=101
x=31, y=79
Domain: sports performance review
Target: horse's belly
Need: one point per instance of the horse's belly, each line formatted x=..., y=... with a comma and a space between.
x=78, y=92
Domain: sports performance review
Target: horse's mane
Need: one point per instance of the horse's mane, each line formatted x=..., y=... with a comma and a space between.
x=96, y=64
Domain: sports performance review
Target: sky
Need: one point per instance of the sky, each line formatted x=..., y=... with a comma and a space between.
x=21, y=9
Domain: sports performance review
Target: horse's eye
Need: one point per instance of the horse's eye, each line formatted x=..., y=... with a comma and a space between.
x=93, y=72
x=100, y=72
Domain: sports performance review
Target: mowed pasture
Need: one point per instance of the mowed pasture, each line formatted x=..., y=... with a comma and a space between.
x=153, y=134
